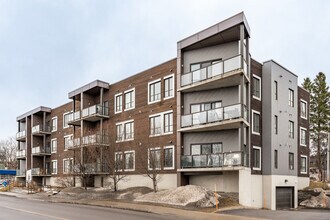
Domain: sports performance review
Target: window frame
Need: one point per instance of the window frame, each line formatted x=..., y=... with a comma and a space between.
x=65, y=114
x=291, y=133
x=258, y=113
x=291, y=102
x=121, y=161
x=276, y=124
x=64, y=137
x=115, y=107
x=162, y=123
x=51, y=145
x=129, y=152
x=303, y=129
x=306, y=164
x=303, y=102
x=258, y=78
x=67, y=159
x=173, y=161
x=149, y=90
x=123, y=126
x=167, y=78
x=55, y=167
x=275, y=159
x=290, y=161
x=133, y=98
x=260, y=163
x=54, y=119
x=160, y=157
x=276, y=89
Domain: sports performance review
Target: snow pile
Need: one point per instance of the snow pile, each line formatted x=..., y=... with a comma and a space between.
x=193, y=196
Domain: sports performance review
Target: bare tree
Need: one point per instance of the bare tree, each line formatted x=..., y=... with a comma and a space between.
x=8, y=148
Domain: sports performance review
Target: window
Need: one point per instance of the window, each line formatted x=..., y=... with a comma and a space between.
x=276, y=124
x=154, y=158
x=118, y=103
x=303, y=164
x=54, y=166
x=201, y=74
x=53, y=145
x=169, y=87
x=67, y=165
x=291, y=98
x=303, y=109
x=161, y=123
x=275, y=90
x=129, y=160
x=118, y=161
x=256, y=92
x=54, y=124
x=291, y=129
x=66, y=117
x=204, y=149
x=275, y=159
x=255, y=122
x=154, y=91
x=68, y=141
x=256, y=158
x=291, y=161
x=125, y=131
x=169, y=157
x=155, y=125
x=200, y=107
x=129, y=99
x=303, y=136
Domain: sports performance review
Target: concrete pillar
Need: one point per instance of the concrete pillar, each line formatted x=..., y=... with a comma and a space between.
x=241, y=44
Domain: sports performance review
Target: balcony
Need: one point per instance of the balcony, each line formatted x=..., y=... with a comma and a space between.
x=90, y=140
x=92, y=168
x=40, y=130
x=95, y=113
x=41, y=151
x=221, y=161
x=40, y=172
x=20, y=154
x=221, y=74
x=75, y=118
x=21, y=136
x=229, y=117
x=20, y=173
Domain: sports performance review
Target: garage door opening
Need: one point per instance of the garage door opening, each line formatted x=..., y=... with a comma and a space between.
x=284, y=197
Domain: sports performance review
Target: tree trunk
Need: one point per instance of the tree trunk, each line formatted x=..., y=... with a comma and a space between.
x=319, y=159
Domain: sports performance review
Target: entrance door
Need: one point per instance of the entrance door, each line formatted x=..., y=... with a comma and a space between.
x=284, y=197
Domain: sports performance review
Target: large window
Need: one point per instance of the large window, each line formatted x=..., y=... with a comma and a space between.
x=67, y=165
x=169, y=87
x=129, y=160
x=255, y=122
x=54, y=124
x=303, y=109
x=256, y=92
x=291, y=161
x=204, y=106
x=202, y=149
x=291, y=98
x=118, y=161
x=125, y=131
x=303, y=164
x=303, y=136
x=54, y=166
x=276, y=90
x=66, y=117
x=53, y=145
x=161, y=123
x=118, y=103
x=256, y=158
x=169, y=157
x=68, y=141
x=129, y=99
x=154, y=91
x=276, y=124
x=276, y=159
x=291, y=129
x=154, y=159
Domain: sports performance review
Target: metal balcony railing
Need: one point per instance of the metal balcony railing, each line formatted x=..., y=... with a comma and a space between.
x=20, y=153
x=21, y=135
x=90, y=140
x=92, y=168
x=20, y=172
x=214, y=115
x=227, y=159
x=41, y=150
x=41, y=129
x=95, y=110
x=74, y=116
x=40, y=172
x=216, y=69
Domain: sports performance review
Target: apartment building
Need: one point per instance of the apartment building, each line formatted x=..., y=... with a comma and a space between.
x=212, y=116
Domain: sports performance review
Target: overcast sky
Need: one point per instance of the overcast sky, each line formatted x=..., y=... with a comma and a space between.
x=49, y=48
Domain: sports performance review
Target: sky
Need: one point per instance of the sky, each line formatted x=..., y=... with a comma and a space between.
x=51, y=47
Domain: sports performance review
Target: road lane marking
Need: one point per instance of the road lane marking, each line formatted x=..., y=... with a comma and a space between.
x=35, y=213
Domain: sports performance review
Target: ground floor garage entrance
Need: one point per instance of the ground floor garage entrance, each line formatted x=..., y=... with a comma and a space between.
x=284, y=197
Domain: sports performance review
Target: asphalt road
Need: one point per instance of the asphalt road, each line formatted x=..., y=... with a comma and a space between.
x=26, y=209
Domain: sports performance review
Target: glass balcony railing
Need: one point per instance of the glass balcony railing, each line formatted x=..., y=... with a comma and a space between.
x=214, y=115
x=40, y=150
x=74, y=116
x=20, y=153
x=95, y=110
x=40, y=172
x=74, y=143
x=21, y=135
x=213, y=70
x=20, y=172
x=41, y=129
x=227, y=159
x=94, y=139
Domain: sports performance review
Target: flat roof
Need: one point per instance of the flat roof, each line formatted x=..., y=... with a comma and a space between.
x=33, y=111
x=273, y=61
x=89, y=86
x=215, y=29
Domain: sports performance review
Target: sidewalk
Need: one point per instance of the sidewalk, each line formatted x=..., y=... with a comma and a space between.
x=187, y=214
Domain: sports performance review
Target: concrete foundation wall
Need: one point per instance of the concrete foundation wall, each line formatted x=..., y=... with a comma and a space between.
x=60, y=182
x=227, y=182
x=303, y=182
x=256, y=191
